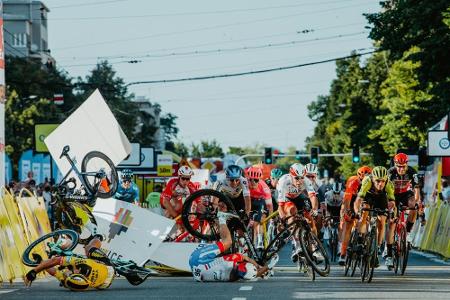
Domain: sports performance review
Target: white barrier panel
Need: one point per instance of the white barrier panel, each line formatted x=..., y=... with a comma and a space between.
x=175, y=255
x=91, y=127
x=131, y=232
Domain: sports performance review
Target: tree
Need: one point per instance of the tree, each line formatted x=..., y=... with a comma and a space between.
x=403, y=126
x=115, y=93
x=181, y=149
x=30, y=90
x=207, y=149
x=403, y=24
x=168, y=124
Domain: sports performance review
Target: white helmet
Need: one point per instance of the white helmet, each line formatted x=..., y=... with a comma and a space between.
x=185, y=171
x=311, y=169
x=296, y=169
x=251, y=272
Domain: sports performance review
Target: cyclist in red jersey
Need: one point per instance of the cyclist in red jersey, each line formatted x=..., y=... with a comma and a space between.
x=176, y=191
x=348, y=220
x=261, y=200
x=406, y=192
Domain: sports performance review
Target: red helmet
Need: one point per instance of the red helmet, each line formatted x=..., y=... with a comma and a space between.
x=364, y=170
x=401, y=159
x=254, y=173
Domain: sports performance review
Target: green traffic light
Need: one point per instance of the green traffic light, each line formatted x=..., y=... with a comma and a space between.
x=314, y=161
x=268, y=161
x=356, y=159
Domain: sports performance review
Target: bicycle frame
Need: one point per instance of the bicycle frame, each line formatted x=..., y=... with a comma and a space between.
x=65, y=153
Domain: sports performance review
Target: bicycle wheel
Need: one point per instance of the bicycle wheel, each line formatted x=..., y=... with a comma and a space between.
x=311, y=245
x=77, y=217
x=199, y=213
x=396, y=253
x=373, y=256
x=404, y=252
x=94, y=162
x=276, y=244
x=32, y=255
x=303, y=266
x=350, y=256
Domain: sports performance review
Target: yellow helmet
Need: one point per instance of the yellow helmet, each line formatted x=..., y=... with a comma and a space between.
x=379, y=173
x=76, y=282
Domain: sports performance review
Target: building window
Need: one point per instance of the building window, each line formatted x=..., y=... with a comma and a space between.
x=19, y=40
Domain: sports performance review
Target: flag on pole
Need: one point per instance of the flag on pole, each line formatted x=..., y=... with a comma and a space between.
x=58, y=99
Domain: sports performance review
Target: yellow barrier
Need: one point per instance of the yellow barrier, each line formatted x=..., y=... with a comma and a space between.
x=435, y=237
x=22, y=220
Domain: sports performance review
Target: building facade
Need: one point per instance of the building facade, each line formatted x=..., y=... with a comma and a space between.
x=154, y=112
x=26, y=29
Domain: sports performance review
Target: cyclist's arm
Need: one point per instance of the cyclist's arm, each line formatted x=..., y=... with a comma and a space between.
x=365, y=187
x=246, y=194
x=136, y=194
x=267, y=196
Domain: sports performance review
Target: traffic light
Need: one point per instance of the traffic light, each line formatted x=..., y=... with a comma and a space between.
x=297, y=155
x=314, y=155
x=268, y=159
x=423, y=157
x=355, y=155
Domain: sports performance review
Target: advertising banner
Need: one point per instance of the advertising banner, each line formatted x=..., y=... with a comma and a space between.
x=131, y=232
x=164, y=163
x=41, y=131
x=91, y=127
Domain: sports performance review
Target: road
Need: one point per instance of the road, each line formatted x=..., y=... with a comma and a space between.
x=425, y=278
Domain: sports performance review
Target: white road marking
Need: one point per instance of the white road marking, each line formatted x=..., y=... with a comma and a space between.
x=246, y=288
x=7, y=291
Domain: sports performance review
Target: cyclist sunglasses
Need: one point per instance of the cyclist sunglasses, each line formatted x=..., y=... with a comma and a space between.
x=185, y=178
x=234, y=179
x=298, y=177
x=254, y=180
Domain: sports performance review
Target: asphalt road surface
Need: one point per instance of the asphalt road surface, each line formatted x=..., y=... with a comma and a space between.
x=425, y=278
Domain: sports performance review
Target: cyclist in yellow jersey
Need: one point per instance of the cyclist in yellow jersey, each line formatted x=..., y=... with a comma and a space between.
x=376, y=192
x=77, y=273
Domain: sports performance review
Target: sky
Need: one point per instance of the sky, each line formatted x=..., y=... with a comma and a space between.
x=184, y=39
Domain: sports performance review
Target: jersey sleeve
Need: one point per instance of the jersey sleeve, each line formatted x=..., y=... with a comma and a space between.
x=390, y=191
x=136, y=192
x=414, y=178
x=168, y=191
x=245, y=188
x=365, y=186
x=266, y=190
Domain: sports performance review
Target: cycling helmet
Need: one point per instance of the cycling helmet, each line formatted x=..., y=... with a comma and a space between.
x=254, y=173
x=276, y=173
x=127, y=174
x=185, y=171
x=379, y=173
x=233, y=172
x=247, y=271
x=364, y=170
x=297, y=169
x=401, y=159
x=76, y=282
x=337, y=187
x=311, y=169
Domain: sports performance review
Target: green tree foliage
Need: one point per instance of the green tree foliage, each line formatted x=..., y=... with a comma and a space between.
x=181, y=149
x=207, y=149
x=403, y=24
x=168, y=124
x=30, y=90
x=115, y=92
x=348, y=113
x=405, y=105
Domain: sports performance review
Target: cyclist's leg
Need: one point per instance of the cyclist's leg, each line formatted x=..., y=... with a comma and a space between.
x=412, y=213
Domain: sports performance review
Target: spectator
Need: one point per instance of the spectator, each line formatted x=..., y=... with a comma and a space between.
x=127, y=190
x=445, y=190
x=326, y=236
x=153, y=198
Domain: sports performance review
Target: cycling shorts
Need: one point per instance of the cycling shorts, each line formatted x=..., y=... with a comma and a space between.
x=379, y=201
x=258, y=206
x=402, y=199
x=301, y=202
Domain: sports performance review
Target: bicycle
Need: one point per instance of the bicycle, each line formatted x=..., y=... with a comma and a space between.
x=400, y=247
x=203, y=205
x=50, y=245
x=72, y=205
x=353, y=257
x=369, y=257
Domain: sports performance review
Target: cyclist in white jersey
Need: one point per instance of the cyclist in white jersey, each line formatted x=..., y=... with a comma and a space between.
x=235, y=186
x=295, y=194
